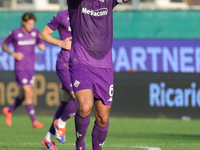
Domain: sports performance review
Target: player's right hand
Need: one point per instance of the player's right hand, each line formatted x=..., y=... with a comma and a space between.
x=67, y=43
x=18, y=56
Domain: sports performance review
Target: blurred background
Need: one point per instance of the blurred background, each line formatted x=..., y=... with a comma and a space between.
x=156, y=57
x=57, y=5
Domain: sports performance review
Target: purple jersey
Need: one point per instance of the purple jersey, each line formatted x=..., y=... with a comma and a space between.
x=61, y=23
x=24, y=43
x=92, y=31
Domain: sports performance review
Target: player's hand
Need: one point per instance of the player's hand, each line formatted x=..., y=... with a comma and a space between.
x=18, y=56
x=42, y=47
x=67, y=43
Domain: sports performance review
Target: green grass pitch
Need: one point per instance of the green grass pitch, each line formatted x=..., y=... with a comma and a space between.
x=124, y=134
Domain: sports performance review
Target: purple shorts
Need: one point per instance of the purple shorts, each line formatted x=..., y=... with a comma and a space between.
x=62, y=70
x=99, y=80
x=24, y=77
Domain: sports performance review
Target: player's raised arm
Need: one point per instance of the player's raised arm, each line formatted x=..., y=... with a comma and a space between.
x=46, y=36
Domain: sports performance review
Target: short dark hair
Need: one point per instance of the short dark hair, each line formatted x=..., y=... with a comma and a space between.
x=28, y=16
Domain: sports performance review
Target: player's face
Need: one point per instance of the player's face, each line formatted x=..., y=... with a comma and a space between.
x=28, y=25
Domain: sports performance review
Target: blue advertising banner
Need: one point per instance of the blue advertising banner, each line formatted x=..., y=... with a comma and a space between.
x=149, y=55
x=159, y=55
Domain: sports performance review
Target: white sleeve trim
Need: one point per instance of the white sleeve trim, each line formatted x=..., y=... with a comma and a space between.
x=120, y=1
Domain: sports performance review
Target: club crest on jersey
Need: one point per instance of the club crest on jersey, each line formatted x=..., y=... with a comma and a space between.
x=76, y=83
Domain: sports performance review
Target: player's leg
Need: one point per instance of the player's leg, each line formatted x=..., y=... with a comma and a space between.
x=65, y=103
x=28, y=98
x=69, y=111
x=85, y=100
x=63, y=73
x=21, y=78
x=68, y=98
x=18, y=101
x=9, y=110
x=101, y=125
x=104, y=95
x=68, y=104
x=82, y=81
x=58, y=113
x=48, y=139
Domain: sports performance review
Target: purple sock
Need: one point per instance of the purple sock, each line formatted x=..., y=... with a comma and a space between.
x=57, y=115
x=70, y=110
x=31, y=111
x=99, y=136
x=16, y=103
x=81, y=124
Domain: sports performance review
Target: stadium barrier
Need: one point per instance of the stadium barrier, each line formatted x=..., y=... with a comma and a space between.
x=136, y=94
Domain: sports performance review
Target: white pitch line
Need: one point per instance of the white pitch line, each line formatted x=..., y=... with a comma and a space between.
x=142, y=147
x=112, y=145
